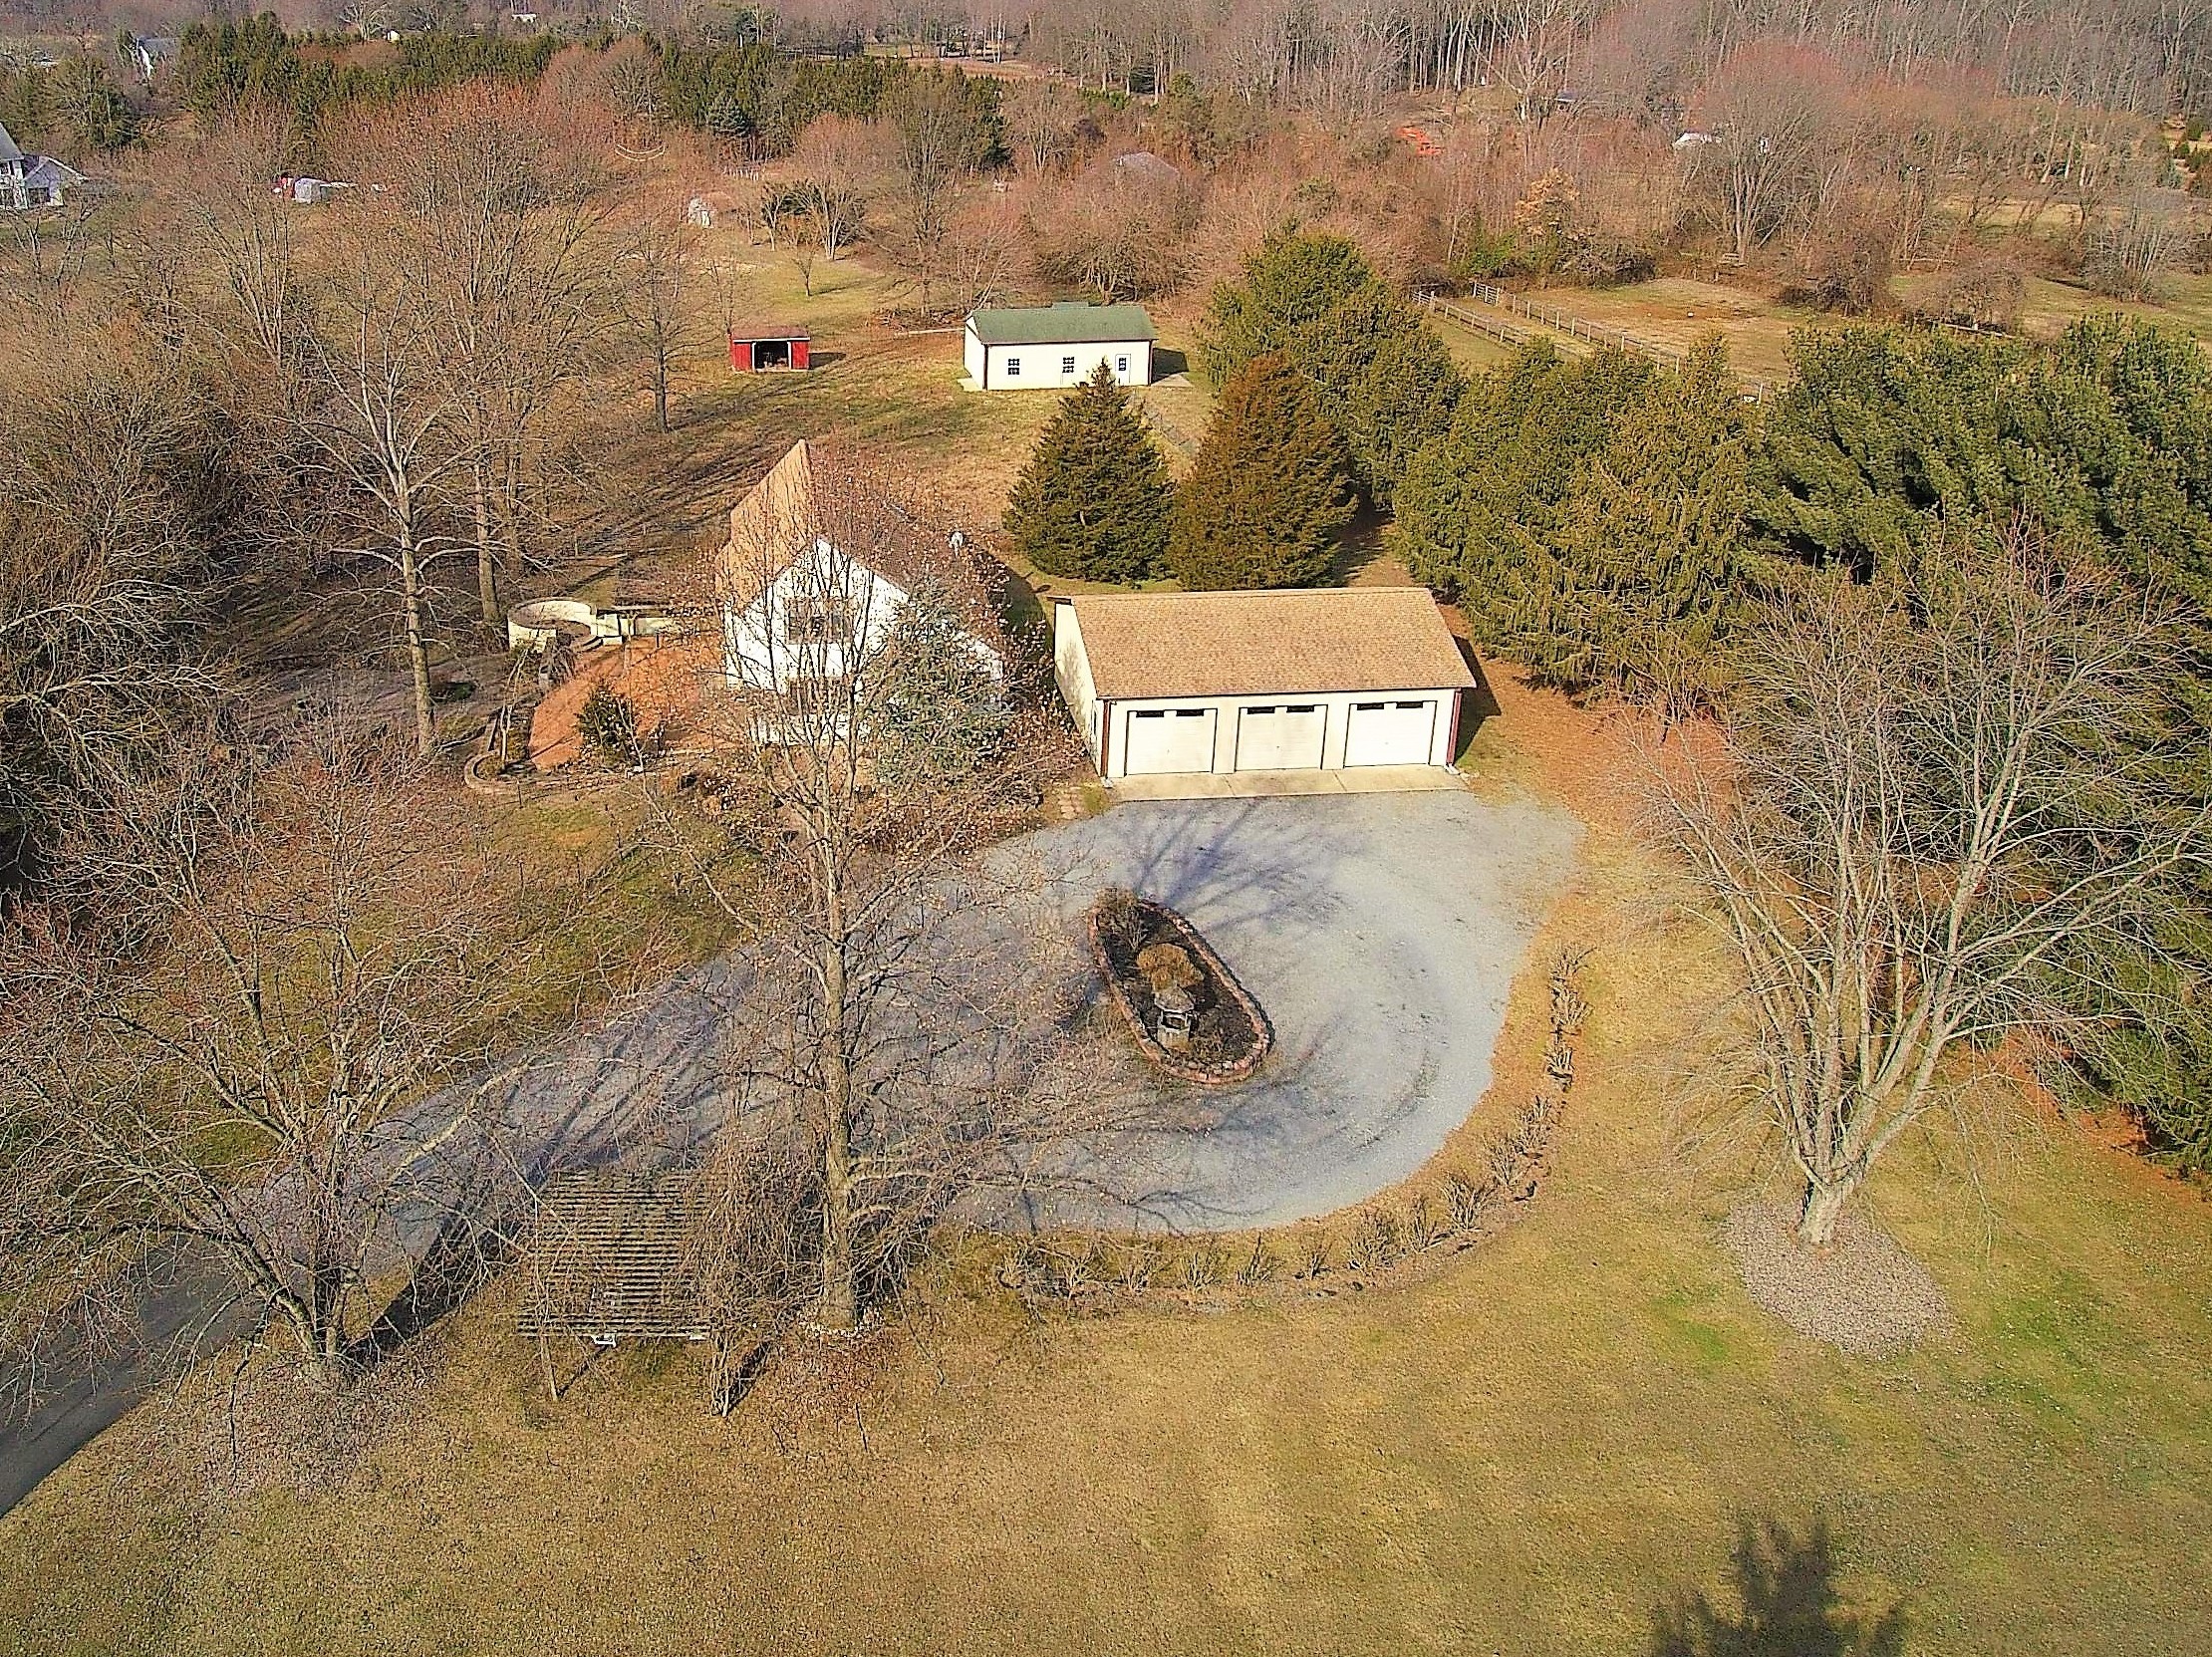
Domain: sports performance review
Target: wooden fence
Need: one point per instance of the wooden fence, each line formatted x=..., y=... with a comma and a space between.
x=1514, y=319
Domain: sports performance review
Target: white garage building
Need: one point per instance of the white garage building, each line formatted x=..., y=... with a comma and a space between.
x=1049, y=347
x=1296, y=680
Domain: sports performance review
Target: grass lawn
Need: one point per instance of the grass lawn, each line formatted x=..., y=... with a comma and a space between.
x=1532, y=1448
x=897, y=394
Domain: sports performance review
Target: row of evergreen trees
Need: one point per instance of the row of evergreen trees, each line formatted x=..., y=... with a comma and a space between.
x=1261, y=506
x=1614, y=524
x=222, y=64
x=1330, y=383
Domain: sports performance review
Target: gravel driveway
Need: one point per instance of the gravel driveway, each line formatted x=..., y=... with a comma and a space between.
x=1381, y=932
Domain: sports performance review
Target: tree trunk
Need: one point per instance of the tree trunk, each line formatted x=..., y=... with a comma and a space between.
x=661, y=392
x=487, y=568
x=1824, y=1206
x=840, y=1306
x=418, y=656
x=510, y=503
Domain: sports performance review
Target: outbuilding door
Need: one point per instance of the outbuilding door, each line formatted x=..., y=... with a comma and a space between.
x=1169, y=739
x=1393, y=732
x=1282, y=737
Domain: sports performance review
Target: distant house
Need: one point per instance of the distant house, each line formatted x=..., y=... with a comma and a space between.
x=797, y=610
x=149, y=52
x=1145, y=165
x=1305, y=680
x=1043, y=347
x=28, y=180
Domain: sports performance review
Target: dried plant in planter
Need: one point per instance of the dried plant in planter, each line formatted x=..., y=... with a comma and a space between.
x=1313, y=1256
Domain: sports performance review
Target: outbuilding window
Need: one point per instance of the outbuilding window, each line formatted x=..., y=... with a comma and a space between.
x=1014, y=368
x=1067, y=365
x=1121, y=364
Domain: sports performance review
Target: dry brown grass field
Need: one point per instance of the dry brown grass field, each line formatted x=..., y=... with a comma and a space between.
x=1546, y=1445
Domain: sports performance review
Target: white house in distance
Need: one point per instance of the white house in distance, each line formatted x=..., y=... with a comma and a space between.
x=28, y=182
x=798, y=611
x=1305, y=680
x=1052, y=347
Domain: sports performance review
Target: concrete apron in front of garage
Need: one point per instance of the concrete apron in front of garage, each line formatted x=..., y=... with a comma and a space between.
x=1262, y=785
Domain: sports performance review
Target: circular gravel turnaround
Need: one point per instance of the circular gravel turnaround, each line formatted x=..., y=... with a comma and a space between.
x=1862, y=1294
x=1381, y=932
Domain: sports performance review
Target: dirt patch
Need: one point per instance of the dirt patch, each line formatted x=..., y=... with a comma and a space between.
x=1862, y=1294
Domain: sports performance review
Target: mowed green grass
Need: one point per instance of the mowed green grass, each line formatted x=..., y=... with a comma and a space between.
x=1531, y=1448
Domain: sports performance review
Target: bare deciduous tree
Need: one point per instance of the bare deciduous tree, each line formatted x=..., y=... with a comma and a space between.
x=1930, y=804
x=896, y=1045
x=325, y=939
x=388, y=425
x=653, y=279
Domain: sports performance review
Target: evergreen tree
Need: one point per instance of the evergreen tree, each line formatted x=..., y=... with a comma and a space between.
x=1268, y=493
x=1385, y=377
x=936, y=710
x=1480, y=509
x=1293, y=281
x=1093, y=500
x=1652, y=544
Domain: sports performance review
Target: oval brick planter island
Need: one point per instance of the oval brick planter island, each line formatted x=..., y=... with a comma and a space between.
x=1160, y=974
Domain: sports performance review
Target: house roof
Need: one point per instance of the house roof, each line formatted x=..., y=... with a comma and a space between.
x=781, y=516
x=1070, y=322
x=1145, y=164
x=8, y=150
x=1301, y=641
x=46, y=171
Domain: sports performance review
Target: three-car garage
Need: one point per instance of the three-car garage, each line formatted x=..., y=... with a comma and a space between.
x=1310, y=679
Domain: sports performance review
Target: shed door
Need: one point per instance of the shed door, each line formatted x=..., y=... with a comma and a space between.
x=1393, y=732
x=1284, y=738
x=1169, y=739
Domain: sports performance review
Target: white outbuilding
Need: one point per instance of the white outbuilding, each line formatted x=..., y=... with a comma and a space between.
x=1051, y=346
x=1304, y=680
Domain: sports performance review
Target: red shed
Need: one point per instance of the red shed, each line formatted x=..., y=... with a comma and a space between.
x=755, y=350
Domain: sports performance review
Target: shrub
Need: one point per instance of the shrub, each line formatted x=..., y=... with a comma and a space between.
x=1375, y=1241
x=1202, y=1267
x=1258, y=1266
x=608, y=724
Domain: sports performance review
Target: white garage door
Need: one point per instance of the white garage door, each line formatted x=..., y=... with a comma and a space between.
x=1169, y=739
x=1285, y=737
x=1390, y=732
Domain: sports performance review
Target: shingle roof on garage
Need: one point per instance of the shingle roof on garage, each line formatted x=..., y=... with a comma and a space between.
x=1070, y=322
x=1300, y=642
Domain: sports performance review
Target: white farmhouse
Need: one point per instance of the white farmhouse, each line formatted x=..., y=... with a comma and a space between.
x=1305, y=680
x=1051, y=346
x=799, y=611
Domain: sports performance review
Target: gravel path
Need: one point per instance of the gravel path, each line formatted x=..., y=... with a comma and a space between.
x=1381, y=933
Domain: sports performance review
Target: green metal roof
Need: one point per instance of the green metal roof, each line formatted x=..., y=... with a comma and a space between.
x=1071, y=322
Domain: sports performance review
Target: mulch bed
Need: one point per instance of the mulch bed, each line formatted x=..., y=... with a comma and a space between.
x=1230, y=1034
x=1861, y=1295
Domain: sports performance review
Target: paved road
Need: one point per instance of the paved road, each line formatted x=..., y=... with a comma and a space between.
x=1380, y=931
